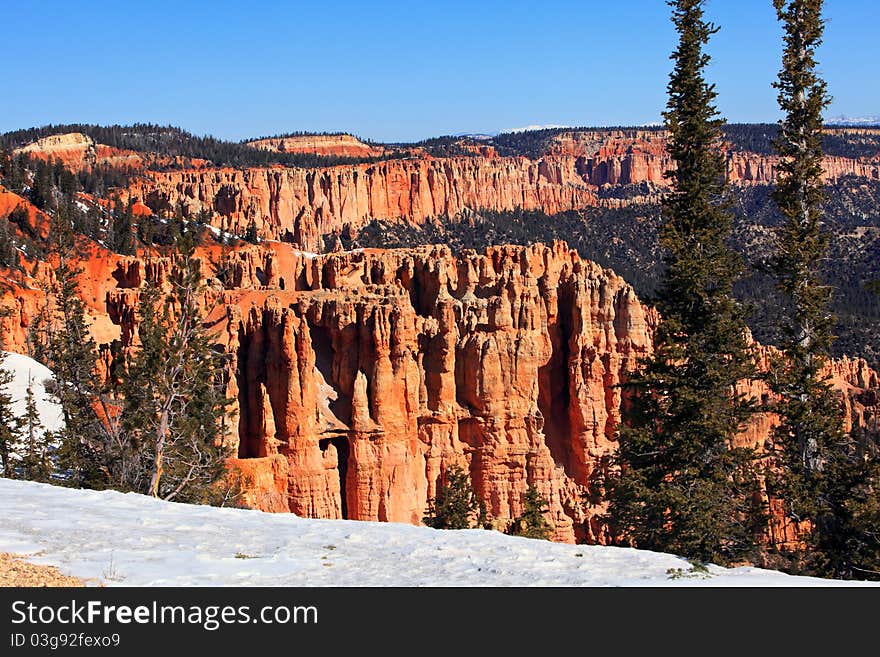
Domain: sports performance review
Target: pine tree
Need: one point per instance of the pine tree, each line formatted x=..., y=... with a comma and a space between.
x=456, y=505
x=250, y=235
x=121, y=238
x=8, y=252
x=10, y=425
x=36, y=461
x=681, y=484
x=174, y=391
x=821, y=474
x=531, y=522
x=71, y=353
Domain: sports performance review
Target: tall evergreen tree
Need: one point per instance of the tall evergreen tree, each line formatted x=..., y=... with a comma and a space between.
x=36, y=461
x=174, y=390
x=90, y=427
x=121, y=238
x=821, y=470
x=682, y=485
x=10, y=425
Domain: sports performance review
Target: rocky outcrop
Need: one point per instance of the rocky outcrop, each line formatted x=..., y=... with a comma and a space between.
x=574, y=172
x=360, y=377
x=374, y=371
x=333, y=145
x=78, y=151
x=301, y=205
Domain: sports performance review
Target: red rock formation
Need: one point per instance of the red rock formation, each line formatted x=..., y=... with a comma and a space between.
x=78, y=151
x=374, y=371
x=302, y=204
x=37, y=224
x=360, y=376
x=336, y=145
x=379, y=369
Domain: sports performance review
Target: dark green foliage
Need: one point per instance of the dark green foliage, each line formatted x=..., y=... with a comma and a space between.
x=175, y=419
x=146, y=231
x=819, y=470
x=531, y=522
x=174, y=142
x=36, y=443
x=121, y=235
x=250, y=234
x=456, y=505
x=155, y=427
x=71, y=354
x=8, y=253
x=102, y=179
x=681, y=486
x=10, y=426
x=12, y=172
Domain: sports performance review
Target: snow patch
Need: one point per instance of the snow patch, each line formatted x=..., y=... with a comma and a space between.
x=147, y=542
x=25, y=369
x=530, y=128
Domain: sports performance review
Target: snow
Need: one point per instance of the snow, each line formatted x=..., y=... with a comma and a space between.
x=533, y=127
x=219, y=233
x=24, y=369
x=861, y=121
x=112, y=538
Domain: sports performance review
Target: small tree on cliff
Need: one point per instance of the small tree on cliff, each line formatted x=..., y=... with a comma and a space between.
x=175, y=392
x=531, y=523
x=681, y=485
x=823, y=475
x=10, y=424
x=456, y=505
x=121, y=237
x=90, y=433
x=36, y=442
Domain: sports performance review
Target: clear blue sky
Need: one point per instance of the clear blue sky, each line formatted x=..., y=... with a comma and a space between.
x=397, y=71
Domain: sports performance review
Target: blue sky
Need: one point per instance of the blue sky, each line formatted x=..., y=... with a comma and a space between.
x=397, y=71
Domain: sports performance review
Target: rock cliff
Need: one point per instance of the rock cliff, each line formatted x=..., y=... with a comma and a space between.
x=574, y=172
x=360, y=377
x=337, y=145
x=78, y=151
x=301, y=205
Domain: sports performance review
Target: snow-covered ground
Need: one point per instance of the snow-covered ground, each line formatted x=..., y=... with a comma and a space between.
x=129, y=539
x=26, y=369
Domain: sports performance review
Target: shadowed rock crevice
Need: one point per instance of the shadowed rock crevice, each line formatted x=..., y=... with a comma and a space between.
x=553, y=377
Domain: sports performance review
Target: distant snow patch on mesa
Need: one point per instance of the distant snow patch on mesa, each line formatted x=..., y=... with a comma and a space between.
x=859, y=121
x=530, y=128
x=26, y=371
x=134, y=540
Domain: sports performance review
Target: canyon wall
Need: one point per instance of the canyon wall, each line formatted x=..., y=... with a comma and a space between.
x=78, y=151
x=302, y=205
x=360, y=377
x=335, y=145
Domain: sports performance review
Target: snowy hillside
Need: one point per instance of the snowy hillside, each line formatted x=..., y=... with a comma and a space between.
x=26, y=369
x=117, y=539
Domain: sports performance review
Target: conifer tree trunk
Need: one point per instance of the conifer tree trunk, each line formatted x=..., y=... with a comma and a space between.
x=161, y=437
